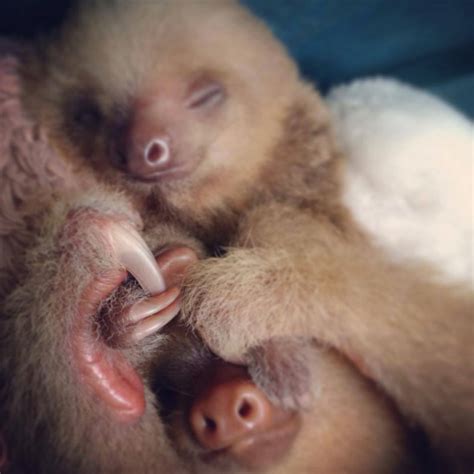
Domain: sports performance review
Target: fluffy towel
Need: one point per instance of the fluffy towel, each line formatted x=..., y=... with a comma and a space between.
x=409, y=176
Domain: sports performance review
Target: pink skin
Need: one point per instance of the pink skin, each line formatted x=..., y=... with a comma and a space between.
x=104, y=369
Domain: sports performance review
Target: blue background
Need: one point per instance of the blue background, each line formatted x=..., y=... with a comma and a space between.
x=429, y=43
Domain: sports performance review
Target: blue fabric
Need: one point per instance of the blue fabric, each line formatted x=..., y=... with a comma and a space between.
x=427, y=43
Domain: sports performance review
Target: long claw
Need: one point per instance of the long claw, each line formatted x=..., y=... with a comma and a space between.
x=134, y=254
x=152, y=324
x=151, y=306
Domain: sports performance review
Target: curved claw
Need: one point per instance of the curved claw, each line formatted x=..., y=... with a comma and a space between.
x=133, y=253
x=154, y=323
x=150, y=315
x=150, y=306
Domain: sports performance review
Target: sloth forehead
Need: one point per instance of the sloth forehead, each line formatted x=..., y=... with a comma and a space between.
x=120, y=43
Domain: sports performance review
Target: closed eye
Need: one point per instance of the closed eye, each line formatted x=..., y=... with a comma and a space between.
x=205, y=94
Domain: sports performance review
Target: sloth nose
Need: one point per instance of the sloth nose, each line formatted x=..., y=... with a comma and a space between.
x=157, y=152
x=149, y=158
x=228, y=413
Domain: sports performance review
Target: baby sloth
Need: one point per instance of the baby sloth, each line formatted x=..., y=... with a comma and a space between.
x=197, y=112
x=85, y=387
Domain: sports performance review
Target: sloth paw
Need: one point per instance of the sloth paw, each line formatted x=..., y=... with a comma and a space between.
x=106, y=244
x=282, y=367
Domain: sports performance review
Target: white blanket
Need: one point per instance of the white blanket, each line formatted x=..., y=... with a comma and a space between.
x=409, y=177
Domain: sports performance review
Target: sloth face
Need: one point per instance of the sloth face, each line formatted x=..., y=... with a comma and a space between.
x=186, y=101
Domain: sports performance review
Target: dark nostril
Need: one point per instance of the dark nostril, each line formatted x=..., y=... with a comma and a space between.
x=245, y=409
x=229, y=411
x=233, y=417
x=210, y=425
x=157, y=152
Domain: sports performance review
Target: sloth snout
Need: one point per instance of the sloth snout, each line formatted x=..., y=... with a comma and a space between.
x=150, y=157
x=157, y=153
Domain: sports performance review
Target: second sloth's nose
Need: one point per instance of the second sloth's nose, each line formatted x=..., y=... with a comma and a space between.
x=230, y=412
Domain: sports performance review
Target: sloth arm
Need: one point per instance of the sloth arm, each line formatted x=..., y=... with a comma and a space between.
x=291, y=273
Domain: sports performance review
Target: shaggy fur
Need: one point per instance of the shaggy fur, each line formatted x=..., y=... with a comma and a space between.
x=30, y=172
x=268, y=180
x=50, y=419
x=41, y=376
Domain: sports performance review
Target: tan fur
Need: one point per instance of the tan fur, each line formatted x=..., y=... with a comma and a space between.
x=346, y=401
x=44, y=406
x=268, y=189
x=54, y=424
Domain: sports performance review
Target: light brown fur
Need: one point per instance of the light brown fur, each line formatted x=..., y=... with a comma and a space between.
x=53, y=423
x=50, y=419
x=268, y=189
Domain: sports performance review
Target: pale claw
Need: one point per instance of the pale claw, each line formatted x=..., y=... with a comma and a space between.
x=133, y=253
x=155, y=323
x=150, y=306
x=150, y=315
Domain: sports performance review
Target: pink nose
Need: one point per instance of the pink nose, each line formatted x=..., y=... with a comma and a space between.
x=157, y=152
x=233, y=417
x=149, y=158
x=229, y=412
